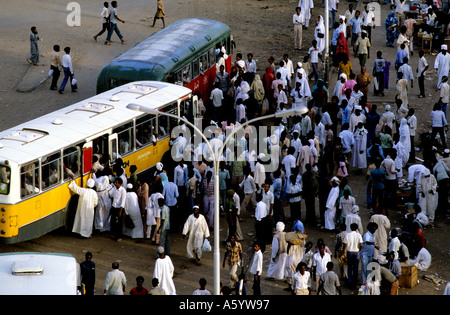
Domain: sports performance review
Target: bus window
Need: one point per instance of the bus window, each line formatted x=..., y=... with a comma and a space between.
x=179, y=77
x=71, y=161
x=29, y=179
x=5, y=178
x=126, y=138
x=187, y=74
x=195, y=68
x=212, y=57
x=145, y=129
x=51, y=170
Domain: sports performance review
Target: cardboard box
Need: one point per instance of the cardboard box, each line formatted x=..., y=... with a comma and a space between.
x=408, y=278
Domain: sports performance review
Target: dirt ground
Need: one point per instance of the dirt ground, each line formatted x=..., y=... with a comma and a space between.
x=262, y=27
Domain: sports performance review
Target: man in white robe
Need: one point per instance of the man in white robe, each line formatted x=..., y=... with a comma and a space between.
x=358, y=159
x=101, y=219
x=164, y=272
x=442, y=64
x=84, y=218
x=330, y=213
x=427, y=188
x=132, y=209
x=414, y=174
x=422, y=261
x=381, y=236
x=279, y=254
x=307, y=6
x=196, y=228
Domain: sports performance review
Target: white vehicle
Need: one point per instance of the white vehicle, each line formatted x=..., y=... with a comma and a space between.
x=38, y=274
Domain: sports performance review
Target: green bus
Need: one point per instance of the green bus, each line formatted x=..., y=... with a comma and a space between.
x=183, y=53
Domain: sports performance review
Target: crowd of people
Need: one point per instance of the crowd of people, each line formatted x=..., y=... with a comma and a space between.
x=312, y=156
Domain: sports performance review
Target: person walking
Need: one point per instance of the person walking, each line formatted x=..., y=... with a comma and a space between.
x=113, y=18
x=139, y=288
x=352, y=247
x=234, y=256
x=118, y=195
x=87, y=274
x=163, y=271
x=197, y=229
x=160, y=13
x=256, y=268
x=66, y=61
x=55, y=64
x=104, y=16
x=34, y=48
x=164, y=226
x=329, y=282
x=115, y=281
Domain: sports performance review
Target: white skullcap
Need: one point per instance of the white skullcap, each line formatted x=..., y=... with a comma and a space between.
x=343, y=75
x=358, y=107
x=299, y=64
x=387, y=107
x=160, y=249
x=443, y=47
x=280, y=226
x=130, y=186
x=335, y=180
x=90, y=183
x=159, y=166
x=355, y=209
x=447, y=151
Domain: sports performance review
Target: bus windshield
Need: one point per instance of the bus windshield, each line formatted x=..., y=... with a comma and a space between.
x=5, y=177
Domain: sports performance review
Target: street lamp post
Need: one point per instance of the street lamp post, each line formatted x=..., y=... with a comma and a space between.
x=216, y=160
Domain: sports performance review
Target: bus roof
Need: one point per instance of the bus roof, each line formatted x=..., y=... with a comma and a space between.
x=154, y=58
x=75, y=123
x=38, y=274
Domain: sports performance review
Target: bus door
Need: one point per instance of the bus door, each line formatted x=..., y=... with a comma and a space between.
x=194, y=110
x=113, y=149
x=86, y=161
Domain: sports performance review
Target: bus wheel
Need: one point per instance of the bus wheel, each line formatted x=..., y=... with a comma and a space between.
x=71, y=210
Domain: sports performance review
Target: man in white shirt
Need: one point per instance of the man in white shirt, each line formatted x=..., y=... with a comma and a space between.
x=352, y=246
x=301, y=280
x=444, y=95
x=118, y=195
x=298, y=20
x=256, y=269
x=319, y=264
x=368, y=20
x=250, y=64
x=66, y=62
x=307, y=6
x=216, y=98
x=333, y=6
x=285, y=75
x=115, y=281
x=105, y=20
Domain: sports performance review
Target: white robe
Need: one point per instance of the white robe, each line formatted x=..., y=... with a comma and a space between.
x=153, y=209
x=353, y=218
x=381, y=236
x=405, y=135
x=278, y=258
x=101, y=220
x=423, y=260
x=442, y=64
x=330, y=213
x=132, y=209
x=84, y=218
x=428, y=203
x=320, y=28
x=197, y=231
x=164, y=273
x=294, y=257
x=402, y=91
x=306, y=6
x=358, y=159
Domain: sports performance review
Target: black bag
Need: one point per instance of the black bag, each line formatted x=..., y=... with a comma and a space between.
x=128, y=222
x=320, y=35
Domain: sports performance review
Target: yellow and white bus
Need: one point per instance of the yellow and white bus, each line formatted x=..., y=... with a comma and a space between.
x=37, y=157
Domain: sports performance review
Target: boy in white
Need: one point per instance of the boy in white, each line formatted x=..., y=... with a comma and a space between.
x=352, y=245
x=301, y=280
x=256, y=269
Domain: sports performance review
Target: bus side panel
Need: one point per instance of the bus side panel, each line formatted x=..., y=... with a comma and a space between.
x=36, y=216
x=147, y=157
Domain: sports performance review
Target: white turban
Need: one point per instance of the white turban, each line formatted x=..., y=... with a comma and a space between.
x=280, y=226
x=90, y=183
x=443, y=47
x=130, y=186
x=343, y=75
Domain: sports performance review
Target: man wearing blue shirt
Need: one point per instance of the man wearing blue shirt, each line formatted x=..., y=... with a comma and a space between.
x=355, y=28
x=368, y=249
